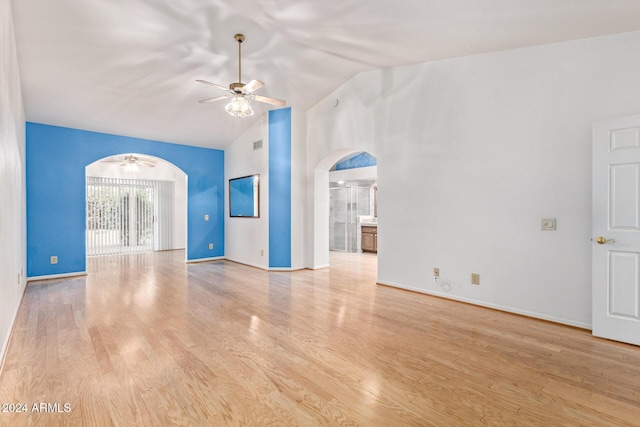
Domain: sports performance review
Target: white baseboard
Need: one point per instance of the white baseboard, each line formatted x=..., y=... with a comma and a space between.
x=263, y=267
x=493, y=306
x=5, y=344
x=319, y=267
x=286, y=268
x=250, y=264
x=193, y=261
x=56, y=276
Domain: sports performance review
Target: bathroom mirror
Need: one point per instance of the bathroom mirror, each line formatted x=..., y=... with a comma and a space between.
x=244, y=197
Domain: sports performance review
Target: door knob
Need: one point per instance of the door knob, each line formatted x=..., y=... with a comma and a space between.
x=602, y=240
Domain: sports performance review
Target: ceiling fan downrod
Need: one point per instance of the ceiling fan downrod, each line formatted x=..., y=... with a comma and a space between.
x=239, y=38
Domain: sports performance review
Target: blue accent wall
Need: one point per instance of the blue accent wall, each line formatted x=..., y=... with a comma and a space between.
x=56, y=158
x=361, y=160
x=280, y=188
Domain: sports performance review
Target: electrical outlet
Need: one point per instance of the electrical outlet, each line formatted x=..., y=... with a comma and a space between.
x=548, y=224
x=54, y=259
x=261, y=252
x=210, y=245
x=475, y=279
x=436, y=272
x=206, y=217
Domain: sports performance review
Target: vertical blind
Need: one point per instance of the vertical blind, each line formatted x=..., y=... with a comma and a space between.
x=128, y=215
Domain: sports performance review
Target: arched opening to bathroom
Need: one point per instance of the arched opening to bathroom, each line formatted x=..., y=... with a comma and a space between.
x=345, y=199
x=353, y=204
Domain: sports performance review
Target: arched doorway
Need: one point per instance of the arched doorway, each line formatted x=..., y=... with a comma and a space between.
x=320, y=243
x=135, y=203
x=352, y=189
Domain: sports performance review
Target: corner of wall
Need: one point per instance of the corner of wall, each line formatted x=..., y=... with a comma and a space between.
x=12, y=181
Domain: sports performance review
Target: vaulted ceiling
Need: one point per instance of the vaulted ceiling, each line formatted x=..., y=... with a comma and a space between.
x=128, y=67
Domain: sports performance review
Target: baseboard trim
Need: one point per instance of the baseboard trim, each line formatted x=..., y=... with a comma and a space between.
x=262, y=267
x=319, y=267
x=286, y=268
x=5, y=345
x=499, y=307
x=56, y=276
x=195, y=261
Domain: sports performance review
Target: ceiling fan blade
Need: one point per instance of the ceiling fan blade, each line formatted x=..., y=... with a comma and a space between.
x=204, y=82
x=253, y=85
x=272, y=101
x=214, y=99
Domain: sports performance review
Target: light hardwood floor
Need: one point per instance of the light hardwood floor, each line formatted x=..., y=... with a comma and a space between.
x=147, y=340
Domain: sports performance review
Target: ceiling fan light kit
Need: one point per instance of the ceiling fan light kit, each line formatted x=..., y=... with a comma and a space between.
x=241, y=94
x=239, y=106
x=131, y=168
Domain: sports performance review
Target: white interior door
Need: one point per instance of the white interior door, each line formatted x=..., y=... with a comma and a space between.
x=616, y=229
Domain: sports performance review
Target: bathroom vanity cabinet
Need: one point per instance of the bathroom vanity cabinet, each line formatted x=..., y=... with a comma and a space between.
x=369, y=238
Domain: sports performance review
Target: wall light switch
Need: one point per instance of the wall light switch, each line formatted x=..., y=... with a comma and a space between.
x=548, y=224
x=54, y=259
x=206, y=217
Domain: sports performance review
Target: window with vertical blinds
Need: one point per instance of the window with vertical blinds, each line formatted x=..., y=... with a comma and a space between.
x=128, y=215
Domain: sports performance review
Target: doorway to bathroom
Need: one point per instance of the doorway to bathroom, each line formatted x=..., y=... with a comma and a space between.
x=350, y=203
x=353, y=204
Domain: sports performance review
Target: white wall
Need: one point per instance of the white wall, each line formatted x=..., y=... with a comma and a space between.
x=12, y=179
x=472, y=153
x=163, y=171
x=246, y=240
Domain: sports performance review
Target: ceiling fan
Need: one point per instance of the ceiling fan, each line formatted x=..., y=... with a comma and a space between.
x=240, y=94
x=132, y=163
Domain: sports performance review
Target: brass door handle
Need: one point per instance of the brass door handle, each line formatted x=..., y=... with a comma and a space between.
x=602, y=240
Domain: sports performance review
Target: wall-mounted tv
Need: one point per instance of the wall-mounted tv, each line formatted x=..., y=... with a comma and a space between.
x=244, y=197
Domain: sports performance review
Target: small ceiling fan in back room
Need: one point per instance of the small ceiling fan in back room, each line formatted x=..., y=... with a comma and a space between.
x=240, y=94
x=131, y=163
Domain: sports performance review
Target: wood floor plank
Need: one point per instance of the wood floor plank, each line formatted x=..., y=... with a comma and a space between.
x=146, y=339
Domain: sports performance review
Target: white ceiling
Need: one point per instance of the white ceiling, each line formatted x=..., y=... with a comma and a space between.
x=128, y=67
